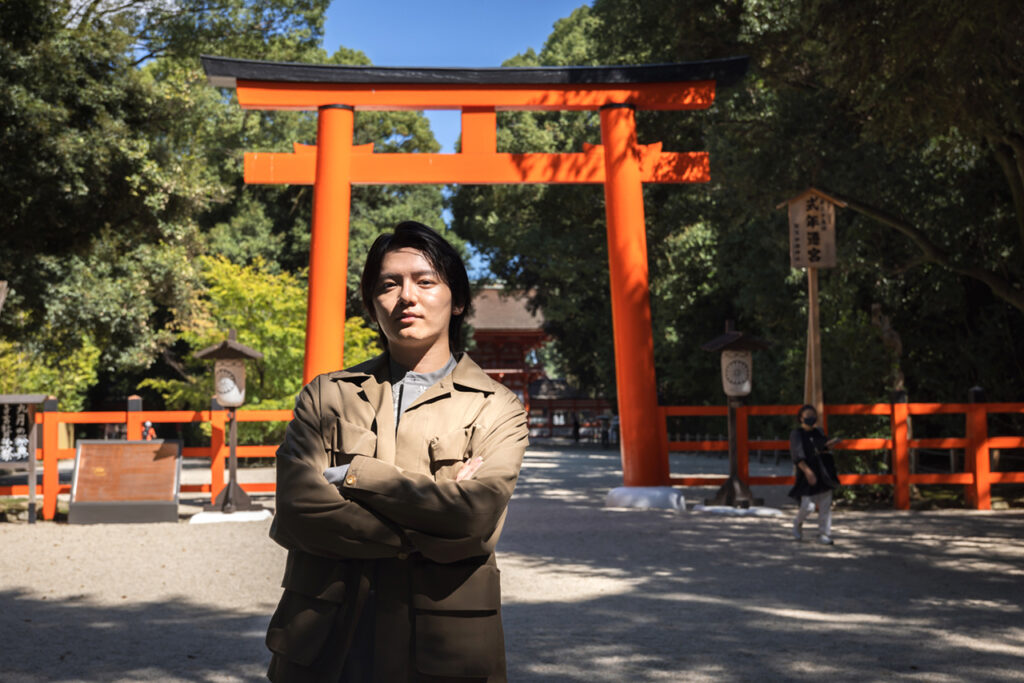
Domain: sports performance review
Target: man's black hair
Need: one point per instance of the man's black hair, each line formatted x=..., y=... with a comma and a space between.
x=441, y=256
x=806, y=406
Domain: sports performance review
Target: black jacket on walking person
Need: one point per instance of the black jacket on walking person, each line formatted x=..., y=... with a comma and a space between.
x=811, y=445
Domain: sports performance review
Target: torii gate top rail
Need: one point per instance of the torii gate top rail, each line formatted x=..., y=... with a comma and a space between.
x=334, y=164
x=272, y=85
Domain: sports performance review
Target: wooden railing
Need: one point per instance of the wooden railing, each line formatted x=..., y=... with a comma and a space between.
x=976, y=443
x=49, y=421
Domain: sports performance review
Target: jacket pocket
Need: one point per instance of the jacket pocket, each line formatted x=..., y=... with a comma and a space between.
x=458, y=619
x=316, y=577
x=458, y=645
x=458, y=587
x=300, y=626
x=349, y=440
x=449, y=451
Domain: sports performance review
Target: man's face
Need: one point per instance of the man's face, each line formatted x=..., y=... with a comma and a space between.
x=411, y=303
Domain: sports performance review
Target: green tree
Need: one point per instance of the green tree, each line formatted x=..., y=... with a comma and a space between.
x=268, y=309
x=129, y=169
x=948, y=99
x=25, y=369
x=719, y=251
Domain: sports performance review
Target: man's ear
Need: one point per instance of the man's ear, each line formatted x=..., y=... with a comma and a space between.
x=457, y=310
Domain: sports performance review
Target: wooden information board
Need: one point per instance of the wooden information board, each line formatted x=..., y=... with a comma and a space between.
x=16, y=423
x=126, y=481
x=19, y=437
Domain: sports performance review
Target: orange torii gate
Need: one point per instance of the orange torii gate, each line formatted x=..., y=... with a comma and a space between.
x=334, y=164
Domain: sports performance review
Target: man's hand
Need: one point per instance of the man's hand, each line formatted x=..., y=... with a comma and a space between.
x=469, y=468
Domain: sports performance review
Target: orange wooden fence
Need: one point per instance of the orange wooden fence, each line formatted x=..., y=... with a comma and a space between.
x=976, y=443
x=217, y=452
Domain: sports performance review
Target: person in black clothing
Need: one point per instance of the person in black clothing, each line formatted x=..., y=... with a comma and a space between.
x=815, y=474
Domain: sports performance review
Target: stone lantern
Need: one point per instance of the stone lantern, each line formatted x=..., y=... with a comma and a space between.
x=229, y=392
x=737, y=381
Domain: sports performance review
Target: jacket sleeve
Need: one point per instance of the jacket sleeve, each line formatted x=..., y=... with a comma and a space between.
x=311, y=514
x=448, y=520
x=796, y=446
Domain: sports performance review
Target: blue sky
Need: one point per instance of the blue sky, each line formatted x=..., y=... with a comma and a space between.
x=470, y=33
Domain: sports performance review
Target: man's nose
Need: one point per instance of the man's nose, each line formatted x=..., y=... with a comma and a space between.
x=408, y=292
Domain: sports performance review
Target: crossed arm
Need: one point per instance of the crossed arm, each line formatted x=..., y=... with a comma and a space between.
x=380, y=511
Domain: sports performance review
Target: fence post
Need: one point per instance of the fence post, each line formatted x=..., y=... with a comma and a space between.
x=663, y=424
x=133, y=419
x=976, y=456
x=218, y=448
x=51, y=475
x=900, y=452
x=743, y=443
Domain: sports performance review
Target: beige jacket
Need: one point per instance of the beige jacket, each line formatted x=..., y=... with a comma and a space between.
x=399, y=526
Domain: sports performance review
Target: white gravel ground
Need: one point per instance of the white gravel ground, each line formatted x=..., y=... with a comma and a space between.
x=590, y=594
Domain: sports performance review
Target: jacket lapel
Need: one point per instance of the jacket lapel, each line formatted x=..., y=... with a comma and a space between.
x=374, y=387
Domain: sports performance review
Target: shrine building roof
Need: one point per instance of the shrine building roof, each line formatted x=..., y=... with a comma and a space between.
x=493, y=309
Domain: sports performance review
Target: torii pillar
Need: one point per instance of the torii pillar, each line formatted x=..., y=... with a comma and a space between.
x=328, y=249
x=619, y=163
x=635, y=382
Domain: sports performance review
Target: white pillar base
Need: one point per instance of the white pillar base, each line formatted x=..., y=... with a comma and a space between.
x=730, y=511
x=222, y=517
x=646, y=497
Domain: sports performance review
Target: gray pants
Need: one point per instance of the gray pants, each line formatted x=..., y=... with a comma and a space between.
x=824, y=502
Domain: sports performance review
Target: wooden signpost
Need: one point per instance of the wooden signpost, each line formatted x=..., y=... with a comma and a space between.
x=812, y=245
x=19, y=439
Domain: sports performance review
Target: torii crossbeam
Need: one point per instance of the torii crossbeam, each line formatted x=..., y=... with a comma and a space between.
x=334, y=164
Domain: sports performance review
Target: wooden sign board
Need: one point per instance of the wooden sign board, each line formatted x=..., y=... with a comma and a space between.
x=19, y=440
x=17, y=421
x=812, y=232
x=126, y=481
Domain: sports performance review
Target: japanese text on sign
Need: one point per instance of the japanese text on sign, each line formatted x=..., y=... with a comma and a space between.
x=14, y=432
x=812, y=233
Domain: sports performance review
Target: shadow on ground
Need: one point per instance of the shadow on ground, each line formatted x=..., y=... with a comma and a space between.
x=75, y=640
x=650, y=595
x=590, y=594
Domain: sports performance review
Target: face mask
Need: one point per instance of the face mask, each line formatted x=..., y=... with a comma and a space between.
x=809, y=421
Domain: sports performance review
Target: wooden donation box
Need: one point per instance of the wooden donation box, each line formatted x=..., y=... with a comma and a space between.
x=126, y=481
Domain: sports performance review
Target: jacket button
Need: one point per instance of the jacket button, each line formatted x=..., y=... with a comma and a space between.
x=350, y=479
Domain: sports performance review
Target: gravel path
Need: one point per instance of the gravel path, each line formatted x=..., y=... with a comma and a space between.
x=590, y=594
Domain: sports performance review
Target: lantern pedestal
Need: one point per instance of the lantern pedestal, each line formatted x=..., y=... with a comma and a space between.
x=232, y=498
x=737, y=380
x=734, y=492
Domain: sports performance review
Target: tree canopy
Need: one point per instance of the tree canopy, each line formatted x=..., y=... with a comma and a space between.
x=123, y=192
x=129, y=240
x=888, y=105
